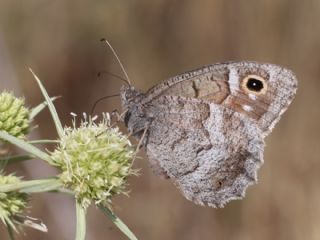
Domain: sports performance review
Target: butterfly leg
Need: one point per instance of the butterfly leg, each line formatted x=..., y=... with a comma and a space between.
x=143, y=139
x=118, y=116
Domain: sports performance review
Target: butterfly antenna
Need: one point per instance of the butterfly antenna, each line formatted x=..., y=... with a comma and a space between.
x=99, y=100
x=118, y=59
x=113, y=75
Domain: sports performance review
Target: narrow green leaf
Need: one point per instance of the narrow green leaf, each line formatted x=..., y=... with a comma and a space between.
x=43, y=141
x=51, y=107
x=16, y=159
x=66, y=191
x=33, y=186
x=25, y=146
x=117, y=221
x=37, y=109
x=81, y=222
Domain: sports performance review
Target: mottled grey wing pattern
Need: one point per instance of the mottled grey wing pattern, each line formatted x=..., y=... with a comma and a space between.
x=224, y=84
x=205, y=128
x=191, y=142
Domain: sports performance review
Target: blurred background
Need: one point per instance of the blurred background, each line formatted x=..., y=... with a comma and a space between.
x=156, y=40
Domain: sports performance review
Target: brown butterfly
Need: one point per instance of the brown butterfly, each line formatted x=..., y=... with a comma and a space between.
x=205, y=129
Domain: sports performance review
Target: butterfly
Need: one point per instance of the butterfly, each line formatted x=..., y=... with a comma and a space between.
x=205, y=129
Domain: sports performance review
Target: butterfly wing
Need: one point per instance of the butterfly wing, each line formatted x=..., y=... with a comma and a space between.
x=206, y=127
x=192, y=143
x=260, y=91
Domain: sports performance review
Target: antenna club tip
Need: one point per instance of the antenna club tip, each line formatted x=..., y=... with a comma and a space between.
x=102, y=40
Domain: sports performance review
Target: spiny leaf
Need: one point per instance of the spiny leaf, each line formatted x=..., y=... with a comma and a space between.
x=117, y=221
x=51, y=107
x=25, y=146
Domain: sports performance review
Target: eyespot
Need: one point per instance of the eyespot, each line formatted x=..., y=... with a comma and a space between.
x=254, y=84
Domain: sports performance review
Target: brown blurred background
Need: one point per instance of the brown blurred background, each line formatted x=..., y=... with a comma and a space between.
x=155, y=40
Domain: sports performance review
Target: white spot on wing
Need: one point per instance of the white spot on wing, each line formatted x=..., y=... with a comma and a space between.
x=252, y=96
x=247, y=108
x=233, y=80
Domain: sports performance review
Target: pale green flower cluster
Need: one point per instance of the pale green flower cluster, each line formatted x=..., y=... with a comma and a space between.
x=95, y=160
x=12, y=204
x=14, y=117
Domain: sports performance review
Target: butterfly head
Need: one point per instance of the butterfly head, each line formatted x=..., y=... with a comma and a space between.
x=130, y=96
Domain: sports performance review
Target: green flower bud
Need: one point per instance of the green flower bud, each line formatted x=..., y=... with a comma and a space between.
x=14, y=116
x=12, y=204
x=95, y=160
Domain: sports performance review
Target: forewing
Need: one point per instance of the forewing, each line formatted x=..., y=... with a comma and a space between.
x=225, y=84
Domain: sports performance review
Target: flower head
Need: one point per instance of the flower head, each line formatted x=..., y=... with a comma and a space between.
x=12, y=204
x=14, y=116
x=95, y=160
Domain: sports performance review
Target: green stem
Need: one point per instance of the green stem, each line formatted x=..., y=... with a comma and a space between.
x=81, y=222
x=10, y=232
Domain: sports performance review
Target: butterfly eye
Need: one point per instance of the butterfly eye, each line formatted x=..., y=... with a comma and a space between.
x=254, y=84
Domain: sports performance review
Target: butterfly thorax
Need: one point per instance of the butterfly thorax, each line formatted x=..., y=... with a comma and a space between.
x=135, y=118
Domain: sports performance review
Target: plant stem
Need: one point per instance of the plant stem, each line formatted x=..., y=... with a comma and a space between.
x=81, y=222
x=10, y=232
